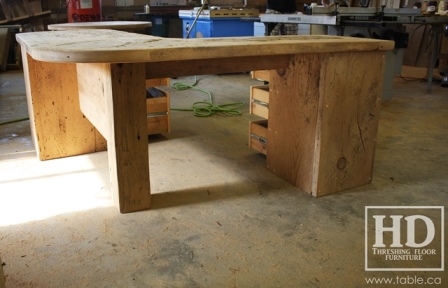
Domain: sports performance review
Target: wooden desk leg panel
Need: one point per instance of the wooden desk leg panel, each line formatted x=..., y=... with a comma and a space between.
x=331, y=104
x=93, y=92
x=59, y=129
x=121, y=88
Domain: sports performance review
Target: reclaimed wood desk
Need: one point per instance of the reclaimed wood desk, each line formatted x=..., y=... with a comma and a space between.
x=323, y=115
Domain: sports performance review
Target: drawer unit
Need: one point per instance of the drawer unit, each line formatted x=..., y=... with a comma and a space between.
x=258, y=136
x=158, y=114
x=157, y=124
x=259, y=100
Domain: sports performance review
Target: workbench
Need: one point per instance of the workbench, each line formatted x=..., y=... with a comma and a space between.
x=116, y=25
x=323, y=115
x=369, y=17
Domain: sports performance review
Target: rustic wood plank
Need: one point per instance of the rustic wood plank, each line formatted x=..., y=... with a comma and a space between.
x=92, y=94
x=293, y=104
x=111, y=46
x=127, y=140
x=348, y=121
x=215, y=66
x=329, y=142
x=59, y=128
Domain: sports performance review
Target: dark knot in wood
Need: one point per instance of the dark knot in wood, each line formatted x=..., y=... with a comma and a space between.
x=342, y=162
x=281, y=72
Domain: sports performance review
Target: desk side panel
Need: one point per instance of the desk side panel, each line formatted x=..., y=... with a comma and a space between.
x=293, y=107
x=323, y=120
x=351, y=90
x=58, y=126
x=92, y=95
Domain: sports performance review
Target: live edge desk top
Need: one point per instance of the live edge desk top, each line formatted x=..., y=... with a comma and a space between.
x=325, y=93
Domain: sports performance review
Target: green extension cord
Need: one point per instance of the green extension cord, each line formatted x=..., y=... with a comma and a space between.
x=14, y=121
x=204, y=108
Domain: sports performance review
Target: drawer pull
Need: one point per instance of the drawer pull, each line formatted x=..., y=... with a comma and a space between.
x=262, y=103
x=156, y=114
x=259, y=139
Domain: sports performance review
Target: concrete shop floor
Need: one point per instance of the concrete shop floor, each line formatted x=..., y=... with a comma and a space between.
x=219, y=218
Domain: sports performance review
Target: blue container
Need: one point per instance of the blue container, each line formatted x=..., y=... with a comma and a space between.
x=217, y=27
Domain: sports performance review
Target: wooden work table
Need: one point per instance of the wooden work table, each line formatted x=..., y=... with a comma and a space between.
x=115, y=25
x=323, y=115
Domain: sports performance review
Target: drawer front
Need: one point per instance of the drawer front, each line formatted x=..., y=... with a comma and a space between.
x=258, y=136
x=158, y=113
x=156, y=105
x=157, y=124
x=262, y=75
x=259, y=100
x=157, y=82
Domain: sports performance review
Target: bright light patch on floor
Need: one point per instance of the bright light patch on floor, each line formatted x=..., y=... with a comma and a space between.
x=32, y=190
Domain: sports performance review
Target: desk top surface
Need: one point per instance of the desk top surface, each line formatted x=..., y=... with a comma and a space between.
x=116, y=25
x=112, y=46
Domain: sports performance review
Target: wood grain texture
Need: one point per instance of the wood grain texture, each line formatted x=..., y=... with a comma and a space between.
x=59, y=128
x=330, y=103
x=111, y=46
x=323, y=105
x=92, y=93
x=158, y=114
x=157, y=105
x=261, y=75
x=348, y=121
x=158, y=124
x=259, y=100
x=258, y=136
x=231, y=64
x=157, y=82
x=293, y=106
x=127, y=143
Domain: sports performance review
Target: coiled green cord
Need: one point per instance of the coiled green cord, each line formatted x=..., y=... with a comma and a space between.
x=204, y=108
x=14, y=121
